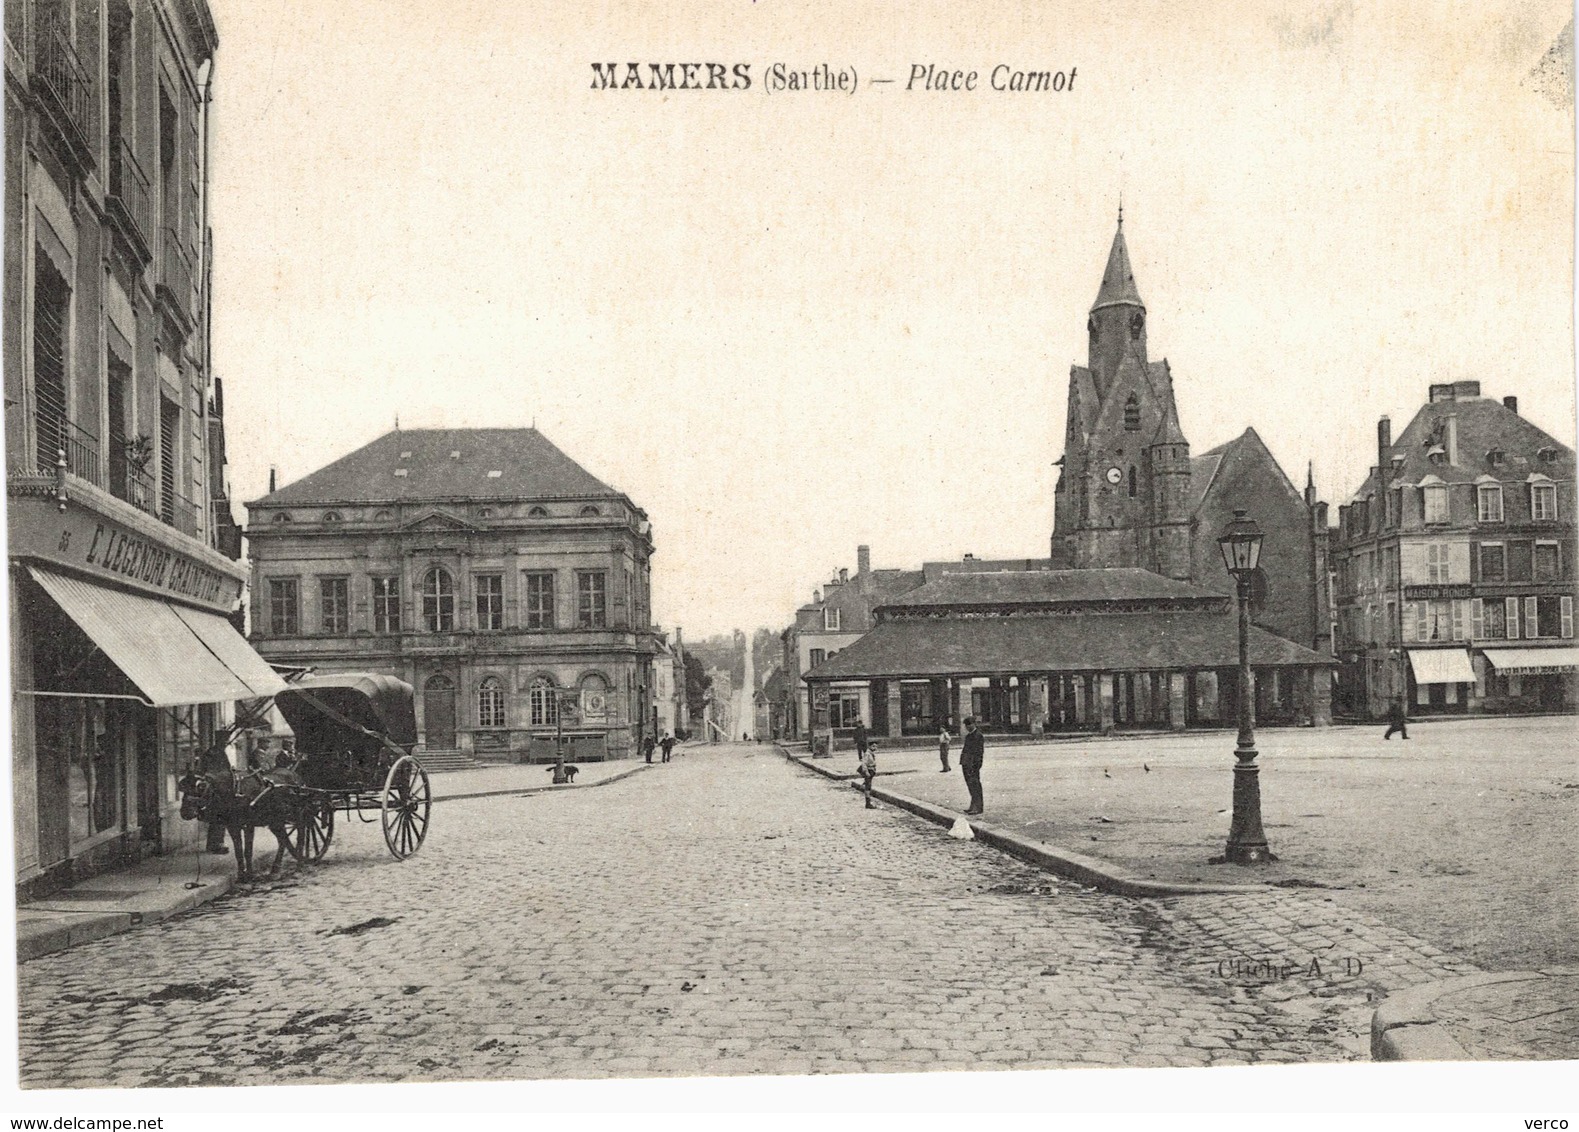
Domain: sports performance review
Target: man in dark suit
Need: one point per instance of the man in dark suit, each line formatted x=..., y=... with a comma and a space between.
x=1397, y=719
x=970, y=764
x=860, y=745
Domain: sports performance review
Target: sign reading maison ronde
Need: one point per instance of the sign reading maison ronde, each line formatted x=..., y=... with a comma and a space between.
x=88, y=542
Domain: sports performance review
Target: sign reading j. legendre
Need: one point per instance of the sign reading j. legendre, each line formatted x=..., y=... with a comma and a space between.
x=782, y=77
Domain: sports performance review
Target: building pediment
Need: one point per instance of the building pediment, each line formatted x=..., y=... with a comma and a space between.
x=437, y=520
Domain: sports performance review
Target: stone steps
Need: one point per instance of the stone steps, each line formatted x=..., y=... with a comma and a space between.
x=434, y=761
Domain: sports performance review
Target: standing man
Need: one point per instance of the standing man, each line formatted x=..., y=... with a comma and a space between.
x=667, y=745
x=943, y=746
x=1397, y=719
x=647, y=745
x=970, y=763
x=860, y=744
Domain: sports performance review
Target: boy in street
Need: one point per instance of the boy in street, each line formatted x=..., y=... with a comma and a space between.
x=860, y=744
x=943, y=746
x=869, y=771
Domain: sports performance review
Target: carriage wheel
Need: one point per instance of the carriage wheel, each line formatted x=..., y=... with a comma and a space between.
x=314, y=834
x=407, y=799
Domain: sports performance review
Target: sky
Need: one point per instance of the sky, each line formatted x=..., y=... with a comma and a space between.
x=790, y=323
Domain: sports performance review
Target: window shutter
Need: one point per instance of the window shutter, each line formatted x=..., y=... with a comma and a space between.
x=1422, y=619
x=1477, y=619
x=1474, y=562
x=1531, y=618
x=1458, y=619
x=1512, y=630
x=1568, y=616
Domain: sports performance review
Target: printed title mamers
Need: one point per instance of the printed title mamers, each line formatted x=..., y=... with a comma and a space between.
x=671, y=76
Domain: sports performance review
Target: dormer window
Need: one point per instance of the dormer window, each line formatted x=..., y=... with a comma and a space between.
x=1132, y=414
x=485, y=513
x=1496, y=457
x=331, y=517
x=589, y=511
x=282, y=517
x=1437, y=455
x=382, y=516
x=537, y=513
x=1546, y=455
x=1435, y=505
x=830, y=620
x=1543, y=501
x=1489, y=498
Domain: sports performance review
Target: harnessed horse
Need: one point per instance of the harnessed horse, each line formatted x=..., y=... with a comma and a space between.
x=213, y=792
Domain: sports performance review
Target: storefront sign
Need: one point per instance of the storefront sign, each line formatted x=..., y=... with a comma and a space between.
x=1438, y=592
x=91, y=543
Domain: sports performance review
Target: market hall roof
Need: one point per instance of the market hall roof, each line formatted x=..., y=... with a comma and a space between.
x=446, y=463
x=1050, y=588
x=1075, y=642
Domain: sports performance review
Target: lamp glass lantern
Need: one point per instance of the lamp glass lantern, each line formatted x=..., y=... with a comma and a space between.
x=1240, y=543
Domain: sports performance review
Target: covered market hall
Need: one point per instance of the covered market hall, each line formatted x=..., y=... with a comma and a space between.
x=1050, y=651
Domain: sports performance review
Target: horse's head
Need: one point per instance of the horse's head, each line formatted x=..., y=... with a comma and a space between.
x=196, y=793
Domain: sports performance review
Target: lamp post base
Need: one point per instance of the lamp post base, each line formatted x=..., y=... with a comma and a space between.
x=1246, y=839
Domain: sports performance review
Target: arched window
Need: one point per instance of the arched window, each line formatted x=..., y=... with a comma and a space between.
x=1132, y=481
x=382, y=516
x=537, y=513
x=331, y=517
x=485, y=513
x=490, y=703
x=438, y=601
x=589, y=510
x=1132, y=414
x=545, y=703
x=282, y=517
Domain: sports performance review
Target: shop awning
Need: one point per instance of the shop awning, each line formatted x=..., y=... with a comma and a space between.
x=173, y=654
x=1441, y=666
x=1533, y=662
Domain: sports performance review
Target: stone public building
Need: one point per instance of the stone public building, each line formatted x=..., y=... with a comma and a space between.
x=484, y=567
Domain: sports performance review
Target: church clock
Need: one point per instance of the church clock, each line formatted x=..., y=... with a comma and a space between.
x=1114, y=475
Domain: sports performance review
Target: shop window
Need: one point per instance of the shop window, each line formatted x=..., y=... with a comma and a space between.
x=592, y=599
x=540, y=600
x=490, y=600
x=1435, y=497
x=334, y=605
x=844, y=709
x=1543, y=502
x=1490, y=502
x=284, y=607
x=544, y=703
x=438, y=601
x=386, y=605
x=1493, y=562
x=490, y=703
x=1548, y=563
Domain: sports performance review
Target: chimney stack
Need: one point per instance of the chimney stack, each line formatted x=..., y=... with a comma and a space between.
x=1511, y=404
x=271, y=479
x=1452, y=438
x=844, y=575
x=863, y=567
x=1384, y=440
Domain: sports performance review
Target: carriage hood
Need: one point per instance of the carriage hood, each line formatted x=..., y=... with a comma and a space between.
x=380, y=703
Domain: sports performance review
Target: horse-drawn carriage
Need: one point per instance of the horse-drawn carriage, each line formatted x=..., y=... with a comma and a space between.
x=354, y=736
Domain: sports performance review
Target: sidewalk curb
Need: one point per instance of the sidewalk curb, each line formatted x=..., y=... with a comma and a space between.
x=526, y=790
x=1075, y=866
x=76, y=926
x=1405, y=1028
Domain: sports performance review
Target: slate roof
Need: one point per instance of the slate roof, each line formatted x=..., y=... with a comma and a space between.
x=1118, y=281
x=528, y=463
x=1049, y=587
x=1483, y=424
x=1076, y=642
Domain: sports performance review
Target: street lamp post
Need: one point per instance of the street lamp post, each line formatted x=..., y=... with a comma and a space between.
x=1240, y=543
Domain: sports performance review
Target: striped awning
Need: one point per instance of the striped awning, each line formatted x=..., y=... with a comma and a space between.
x=1533, y=662
x=173, y=654
x=1441, y=666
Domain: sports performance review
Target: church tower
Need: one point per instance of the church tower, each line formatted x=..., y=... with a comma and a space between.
x=1124, y=492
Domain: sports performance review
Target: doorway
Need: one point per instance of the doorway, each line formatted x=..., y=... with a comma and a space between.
x=438, y=713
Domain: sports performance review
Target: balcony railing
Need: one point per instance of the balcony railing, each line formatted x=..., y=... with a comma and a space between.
x=129, y=191
x=63, y=81
x=130, y=482
x=175, y=274
x=181, y=513
x=56, y=434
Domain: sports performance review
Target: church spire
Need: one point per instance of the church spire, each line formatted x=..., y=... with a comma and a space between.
x=1118, y=281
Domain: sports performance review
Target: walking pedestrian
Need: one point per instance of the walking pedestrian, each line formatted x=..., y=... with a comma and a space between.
x=1397, y=719
x=943, y=746
x=860, y=744
x=647, y=745
x=869, y=771
x=970, y=758
x=667, y=745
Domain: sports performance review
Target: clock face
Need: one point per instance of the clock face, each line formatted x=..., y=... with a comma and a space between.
x=1114, y=475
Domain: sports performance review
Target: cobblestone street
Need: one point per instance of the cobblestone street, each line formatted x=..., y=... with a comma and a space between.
x=727, y=913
